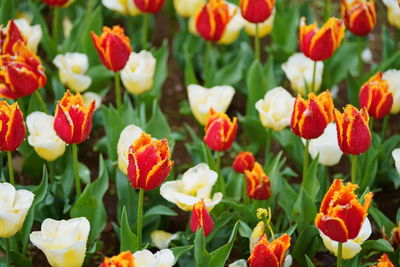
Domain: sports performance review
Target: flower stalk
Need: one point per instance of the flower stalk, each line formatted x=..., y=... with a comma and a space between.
x=41, y=102
x=145, y=29
x=305, y=160
x=313, y=78
x=10, y=167
x=76, y=169
x=339, y=255
x=353, y=169
x=56, y=22
x=140, y=217
x=207, y=68
x=257, y=43
x=8, y=260
x=117, y=86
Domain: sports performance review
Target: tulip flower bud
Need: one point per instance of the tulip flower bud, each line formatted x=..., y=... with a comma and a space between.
x=258, y=185
x=149, y=6
x=257, y=11
x=12, y=126
x=162, y=258
x=376, y=97
x=320, y=43
x=238, y=263
x=244, y=161
x=264, y=28
x=63, y=242
x=201, y=218
x=220, y=131
x=161, y=239
x=359, y=16
x=124, y=259
x=393, y=12
x=310, y=117
x=383, y=261
x=187, y=8
x=267, y=253
x=149, y=162
x=393, y=79
x=33, y=34
x=396, y=158
x=73, y=119
x=58, y=3
x=124, y=7
x=113, y=47
x=212, y=20
x=14, y=206
x=353, y=132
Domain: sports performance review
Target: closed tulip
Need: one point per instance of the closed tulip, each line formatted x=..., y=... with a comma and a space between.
x=276, y=109
x=393, y=12
x=124, y=7
x=58, y=3
x=127, y=137
x=310, y=117
x=14, y=206
x=161, y=239
x=113, y=47
x=384, y=261
x=73, y=119
x=320, y=43
x=359, y=16
x=196, y=184
x=258, y=185
x=243, y=161
x=376, y=97
x=393, y=79
x=149, y=6
x=149, y=162
x=353, y=132
x=43, y=137
x=201, y=100
x=234, y=26
x=267, y=253
x=257, y=11
x=187, y=8
x=396, y=158
x=63, y=242
x=33, y=34
x=162, y=258
x=220, y=131
x=124, y=259
x=12, y=126
x=201, y=218
x=138, y=73
x=264, y=28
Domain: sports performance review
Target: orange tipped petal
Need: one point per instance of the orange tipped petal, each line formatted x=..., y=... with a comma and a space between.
x=201, y=218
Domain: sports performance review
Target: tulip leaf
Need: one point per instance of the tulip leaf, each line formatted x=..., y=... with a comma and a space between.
x=304, y=209
x=100, y=77
x=189, y=73
x=383, y=222
x=20, y=260
x=309, y=262
x=41, y=190
x=220, y=255
x=201, y=256
x=158, y=210
x=304, y=244
x=244, y=229
x=310, y=183
x=161, y=72
x=256, y=86
x=127, y=237
x=84, y=173
x=7, y=11
x=127, y=197
x=379, y=245
x=287, y=198
x=158, y=125
x=179, y=251
x=254, y=131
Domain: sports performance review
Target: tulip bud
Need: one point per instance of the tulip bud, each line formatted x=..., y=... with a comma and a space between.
x=393, y=12
x=149, y=162
x=14, y=207
x=33, y=34
x=58, y=3
x=257, y=11
x=149, y=6
x=238, y=263
x=12, y=126
x=320, y=43
x=162, y=258
x=267, y=253
x=113, y=47
x=73, y=119
x=258, y=185
x=393, y=79
x=376, y=97
x=353, y=132
x=63, y=242
x=161, y=239
x=124, y=259
x=310, y=117
x=212, y=20
x=187, y=8
x=201, y=218
x=124, y=7
x=359, y=16
x=220, y=131
x=244, y=161
x=383, y=261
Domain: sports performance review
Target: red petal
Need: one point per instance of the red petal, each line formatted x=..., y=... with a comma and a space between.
x=334, y=228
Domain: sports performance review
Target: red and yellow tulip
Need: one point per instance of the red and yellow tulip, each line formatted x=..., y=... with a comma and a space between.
x=220, y=131
x=9, y=38
x=258, y=185
x=201, y=218
x=384, y=261
x=257, y=11
x=12, y=126
x=149, y=6
x=124, y=259
x=271, y=254
x=244, y=161
x=58, y=3
x=359, y=16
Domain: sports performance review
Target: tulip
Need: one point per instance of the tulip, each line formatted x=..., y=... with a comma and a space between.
x=244, y=161
x=392, y=78
x=396, y=157
x=67, y=26
x=113, y=47
x=124, y=7
x=376, y=97
x=238, y=263
x=89, y=97
x=9, y=37
x=187, y=8
x=196, y=184
x=43, y=137
x=201, y=100
x=149, y=6
x=58, y=3
x=299, y=70
x=220, y=131
x=353, y=132
x=33, y=34
x=310, y=117
x=12, y=126
x=162, y=258
x=393, y=12
x=384, y=261
x=14, y=207
x=234, y=25
x=63, y=242
x=201, y=218
x=257, y=233
x=124, y=259
x=395, y=239
x=264, y=28
x=267, y=253
x=276, y=109
x=212, y=19
x=359, y=16
x=257, y=11
x=161, y=239
x=138, y=73
x=258, y=185
x=320, y=43
x=127, y=137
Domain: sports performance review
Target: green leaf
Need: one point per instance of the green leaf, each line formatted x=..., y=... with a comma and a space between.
x=159, y=210
x=84, y=173
x=304, y=210
x=158, y=125
x=201, y=255
x=7, y=11
x=381, y=220
x=41, y=190
x=220, y=255
x=100, y=77
x=256, y=86
x=127, y=197
x=179, y=251
x=20, y=260
x=309, y=262
x=161, y=72
x=304, y=243
x=379, y=245
x=244, y=230
x=127, y=237
x=311, y=183
x=189, y=73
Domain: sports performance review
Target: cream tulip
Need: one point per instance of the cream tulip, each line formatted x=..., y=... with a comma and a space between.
x=353, y=246
x=161, y=239
x=138, y=73
x=33, y=34
x=234, y=26
x=275, y=110
x=125, y=7
x=264, y=28
x=14, y=206
x=238, y=263
x=63, y=242
x=67, y=26
x=396, y=157
x=393, y=79
x=393, y=12
x=202, y=99
x=43, y=137
x=256, y=235
x=126, y=139
x=196, y=184
x=88, y=97
x=187, y=8
x=162, y=258
x=71, y=69
x=299, y=70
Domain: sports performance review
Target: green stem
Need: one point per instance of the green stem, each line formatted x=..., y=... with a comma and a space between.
x=220, y=181
x=353, y=168
x=140, y=217
x=244, y=191
x=207, y=81
x=10, y=167
x=384, y=127
x=145, y=29
x=267, y=144
x=8, y=259
x=359, y=52
x=371, y=124
x=41, y=102
x=339, y=255
x=313, y=76
x=118, y=92
x=305, y=160
x=257, y=43
x=52, y=171
x=56, y=22
x=76, y=169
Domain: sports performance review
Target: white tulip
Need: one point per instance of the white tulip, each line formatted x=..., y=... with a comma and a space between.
x=33, y=34
x=71, y=69
x=138, y=73
x=196, y=184
x=393, y=12
x=67, y=26
x=234, y=26
x=202, y=99
x=161, y=239
x=63, y=242
x=126, y=139
x=88, y=97
x=238, y=263
x=187, y=8
x=43, y=137
x=14, y=206
x=264, y=28
x=393, y=79
x=162, y=258
x=125, y=7
x=299, y=70
x=396, y=157
x=275, y=110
